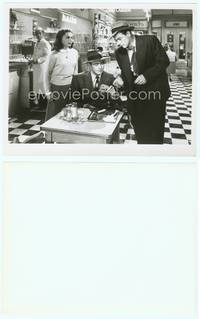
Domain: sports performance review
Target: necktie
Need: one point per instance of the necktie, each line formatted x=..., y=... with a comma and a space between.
x=134, y=62
x=97, y=83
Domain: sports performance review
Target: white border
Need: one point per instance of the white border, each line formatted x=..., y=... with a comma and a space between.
x=100, y=149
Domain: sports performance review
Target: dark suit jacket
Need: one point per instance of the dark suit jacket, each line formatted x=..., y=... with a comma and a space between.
x=152, y=62
x=83, y=83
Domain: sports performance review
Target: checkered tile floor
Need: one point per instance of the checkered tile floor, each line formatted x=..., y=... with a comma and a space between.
x=177, y=121
x=25, y=125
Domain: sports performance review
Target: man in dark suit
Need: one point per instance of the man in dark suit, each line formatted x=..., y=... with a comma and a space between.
x=94, y=87
x=143, y=64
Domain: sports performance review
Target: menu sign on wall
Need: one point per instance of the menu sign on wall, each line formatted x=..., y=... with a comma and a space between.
x=156, y=24
x=176, y=24
x=68, y=18
x=139, y=25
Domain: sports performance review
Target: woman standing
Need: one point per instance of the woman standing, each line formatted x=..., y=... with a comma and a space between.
x=40, y=61
x=171, y=69
x=63, y=64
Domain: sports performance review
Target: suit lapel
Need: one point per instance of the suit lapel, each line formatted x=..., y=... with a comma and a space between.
x=140, y=51
x=102, y=79
x=126, y=64
x=89, y=82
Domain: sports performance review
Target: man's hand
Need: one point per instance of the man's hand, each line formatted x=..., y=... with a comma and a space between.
x=108, y=90
x=117, y=72
x=140, y=80
x=112, y=92
x=103, y=88
x=118, y=82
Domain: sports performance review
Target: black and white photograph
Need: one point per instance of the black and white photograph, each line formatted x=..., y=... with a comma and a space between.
x=100, y=160
x=101, y=76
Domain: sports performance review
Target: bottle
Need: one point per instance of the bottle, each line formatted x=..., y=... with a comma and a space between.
x=68, y=115
x=74, y=111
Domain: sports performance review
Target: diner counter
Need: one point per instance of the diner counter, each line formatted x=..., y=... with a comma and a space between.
x=19, y=85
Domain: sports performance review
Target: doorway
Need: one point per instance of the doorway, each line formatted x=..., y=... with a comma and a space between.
x=182, y=45
x=170, y=39
x=178, y=42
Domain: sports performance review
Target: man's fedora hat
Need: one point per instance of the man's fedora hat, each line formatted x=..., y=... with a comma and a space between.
x=121, y=26
x=93, y=56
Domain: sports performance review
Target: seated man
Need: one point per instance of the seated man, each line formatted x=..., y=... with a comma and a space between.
x=95, y=87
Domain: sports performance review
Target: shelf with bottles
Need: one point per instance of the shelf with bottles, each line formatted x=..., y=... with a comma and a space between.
x=15, y=49
x=17, y=58
x=14, y=42
x=16, y=27
x=15, y=39
x=82, y=42
x=18, y=38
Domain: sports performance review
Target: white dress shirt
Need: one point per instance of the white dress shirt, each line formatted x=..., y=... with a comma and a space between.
x=130, y=51
x=130, y=54
x=94, y=78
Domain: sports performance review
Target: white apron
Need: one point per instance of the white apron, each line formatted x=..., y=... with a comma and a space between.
x=41, y=53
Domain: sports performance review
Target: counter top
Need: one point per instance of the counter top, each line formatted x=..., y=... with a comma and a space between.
x=16, y=65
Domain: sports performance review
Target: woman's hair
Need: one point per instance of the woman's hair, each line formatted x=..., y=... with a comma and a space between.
x=58, y=45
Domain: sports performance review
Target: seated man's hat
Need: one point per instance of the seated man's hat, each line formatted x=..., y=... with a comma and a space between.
x=93, y=56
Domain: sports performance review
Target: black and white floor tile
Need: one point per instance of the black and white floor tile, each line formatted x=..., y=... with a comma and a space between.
x=23, y=126
x=177, y=120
